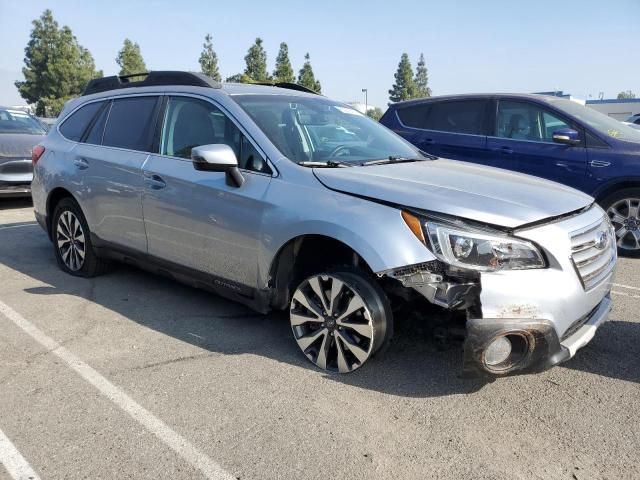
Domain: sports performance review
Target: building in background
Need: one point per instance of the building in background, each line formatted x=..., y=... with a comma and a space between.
x=618, y=109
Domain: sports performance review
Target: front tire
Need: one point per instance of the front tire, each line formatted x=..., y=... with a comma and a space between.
x=623, y=209
x=72, y=241
x=340, y=319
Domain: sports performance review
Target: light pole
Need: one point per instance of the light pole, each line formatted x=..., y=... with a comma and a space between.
x=366, y=102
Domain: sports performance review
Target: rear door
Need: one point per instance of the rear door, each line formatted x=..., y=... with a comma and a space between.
x=522, y=141
x=110, y=158
x=451, y=128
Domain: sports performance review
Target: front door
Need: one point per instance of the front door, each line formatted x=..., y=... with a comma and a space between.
x=523, y=141
x=194, y=218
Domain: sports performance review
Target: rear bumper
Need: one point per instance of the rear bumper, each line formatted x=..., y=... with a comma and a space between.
x=545, y=348
x=17, y=189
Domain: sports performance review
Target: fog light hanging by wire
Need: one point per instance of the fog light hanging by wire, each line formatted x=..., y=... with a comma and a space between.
x=497, y=352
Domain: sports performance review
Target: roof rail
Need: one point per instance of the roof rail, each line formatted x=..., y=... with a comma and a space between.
x=290, y=86
x=154, y=78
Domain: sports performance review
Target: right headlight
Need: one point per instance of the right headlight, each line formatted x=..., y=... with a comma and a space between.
x=466, y=247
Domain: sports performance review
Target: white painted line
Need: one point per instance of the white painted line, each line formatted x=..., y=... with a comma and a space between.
x=625, y=286
x=14, y=462
x=625, y=294
x=19, y=226
x=172, y=439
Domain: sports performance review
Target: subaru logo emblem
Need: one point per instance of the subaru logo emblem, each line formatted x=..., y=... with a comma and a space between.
x=601, y=240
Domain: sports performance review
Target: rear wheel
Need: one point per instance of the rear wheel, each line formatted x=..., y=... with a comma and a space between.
x=72, y=242
x=623, y=209
x=340, y=319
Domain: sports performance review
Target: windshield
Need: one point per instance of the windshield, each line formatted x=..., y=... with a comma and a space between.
x=315, y=129
x=599, y=121
x=15, y=121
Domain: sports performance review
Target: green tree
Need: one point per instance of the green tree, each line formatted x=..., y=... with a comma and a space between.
x=239, y=78
x=306, y=78
x=375, y=113
x=209, y=60
x=422, y=79
x=256, y=60
x=404, y=87
x=56, y=67
x=130, y=59
x=283, y=71
x=626, y=95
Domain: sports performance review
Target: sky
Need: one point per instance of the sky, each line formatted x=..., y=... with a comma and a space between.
x=583, y=47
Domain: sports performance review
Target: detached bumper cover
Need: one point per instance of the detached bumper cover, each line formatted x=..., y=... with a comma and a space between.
x=547, y=349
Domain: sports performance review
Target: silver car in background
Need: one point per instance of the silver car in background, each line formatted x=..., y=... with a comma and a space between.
x=283, y=199
x=19, y=133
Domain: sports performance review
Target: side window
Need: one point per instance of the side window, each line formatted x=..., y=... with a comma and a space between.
x=96, y=130
x=527, y=121
x=74, y=126
x=414, y=116
x=190, y=122
x=457, y=117
x=595, y=142
x=131, y=123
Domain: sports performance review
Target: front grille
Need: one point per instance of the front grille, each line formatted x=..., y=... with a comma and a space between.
x=593, y=251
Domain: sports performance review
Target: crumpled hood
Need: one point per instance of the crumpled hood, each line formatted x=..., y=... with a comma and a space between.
x=18, y=145
x=460, y=189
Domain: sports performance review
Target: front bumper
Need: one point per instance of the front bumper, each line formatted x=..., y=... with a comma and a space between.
x=10, y=189
x=544, y=350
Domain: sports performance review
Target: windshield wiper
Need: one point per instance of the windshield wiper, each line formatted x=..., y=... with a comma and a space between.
x=325, y=164
x=394, y=159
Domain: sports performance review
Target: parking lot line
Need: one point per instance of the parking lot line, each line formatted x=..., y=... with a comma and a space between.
x=620, y=285
x=30, y=224
x=169, y=437
x=625, y=294
x=14, y=462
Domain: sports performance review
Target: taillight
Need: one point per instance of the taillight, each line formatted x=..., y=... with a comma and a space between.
x=36, y=153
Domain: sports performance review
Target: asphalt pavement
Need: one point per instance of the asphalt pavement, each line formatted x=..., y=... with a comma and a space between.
x=131, y=375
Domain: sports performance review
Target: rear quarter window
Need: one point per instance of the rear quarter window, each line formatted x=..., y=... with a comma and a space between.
x=75, y=125
x=131, y=123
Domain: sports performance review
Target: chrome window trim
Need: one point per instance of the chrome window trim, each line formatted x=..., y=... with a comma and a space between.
x=436, y=131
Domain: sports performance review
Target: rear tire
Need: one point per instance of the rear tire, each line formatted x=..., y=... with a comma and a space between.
x=340, y=319
x=72, y=241
x=623, y=209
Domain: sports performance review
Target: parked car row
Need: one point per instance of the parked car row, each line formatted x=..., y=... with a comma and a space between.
x=283, y=199
x=548, y=137
x=19, y=132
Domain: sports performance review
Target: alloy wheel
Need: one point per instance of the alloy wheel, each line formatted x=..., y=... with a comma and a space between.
x=70, y=241
x=625, y=217
x=332, y=324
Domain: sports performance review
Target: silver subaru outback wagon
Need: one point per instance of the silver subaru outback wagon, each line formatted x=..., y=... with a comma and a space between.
x=283, y=199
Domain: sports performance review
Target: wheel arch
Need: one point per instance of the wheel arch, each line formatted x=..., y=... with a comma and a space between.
x=608, y=188
x=53, y=199
x=299, y=257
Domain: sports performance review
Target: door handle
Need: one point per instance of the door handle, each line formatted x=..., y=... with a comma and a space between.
x=155, y=182
x=504, y=150
x=599, y=163
x=81, y=163
x=428, y=141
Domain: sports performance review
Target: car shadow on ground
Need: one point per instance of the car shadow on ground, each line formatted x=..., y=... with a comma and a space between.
x=14, y=203
x=412, y=366
x=614, y=352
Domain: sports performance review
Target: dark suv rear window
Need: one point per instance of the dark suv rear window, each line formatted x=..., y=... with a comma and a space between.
x=131, y=123
x=74, y=126
x=457, y=117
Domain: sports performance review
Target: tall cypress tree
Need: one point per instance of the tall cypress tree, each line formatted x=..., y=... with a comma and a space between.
x=209, y=60
x=306, y=78
x=283, y=71
x=422, y=79
x=256, y=60
x=404, y=86
x=56, y=67
x=130, y=59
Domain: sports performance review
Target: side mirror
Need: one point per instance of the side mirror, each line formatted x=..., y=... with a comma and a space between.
x=218, y=158
x=566, y=136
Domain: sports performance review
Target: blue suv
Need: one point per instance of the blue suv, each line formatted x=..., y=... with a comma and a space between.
x=549, y=137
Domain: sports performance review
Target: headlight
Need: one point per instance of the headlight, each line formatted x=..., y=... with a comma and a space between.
x=476, y=249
